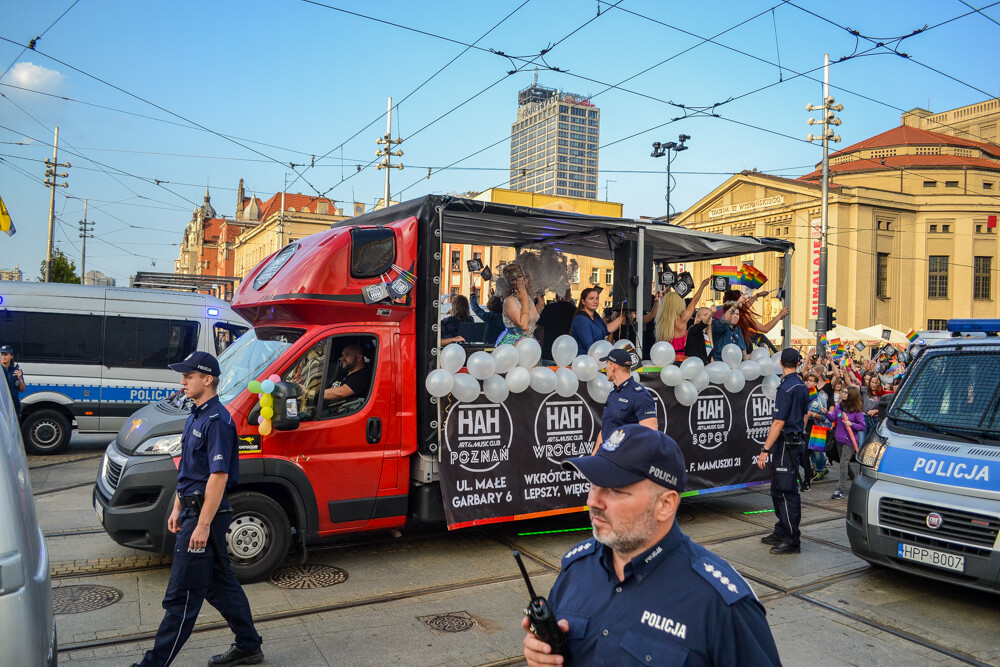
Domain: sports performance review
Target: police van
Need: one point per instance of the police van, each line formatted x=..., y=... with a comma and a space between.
x=928, y=499
x=94, y=355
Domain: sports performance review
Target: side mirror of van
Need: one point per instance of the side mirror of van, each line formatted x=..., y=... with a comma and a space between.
x=883, y=404
x=286, y=408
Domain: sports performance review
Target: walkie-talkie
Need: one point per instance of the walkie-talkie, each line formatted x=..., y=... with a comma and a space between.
x=541, y=620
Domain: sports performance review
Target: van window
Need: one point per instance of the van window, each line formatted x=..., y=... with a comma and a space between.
x=142, y=342
x=225, y=334
x=373, y=252
x=53, y=337
x=349, y=363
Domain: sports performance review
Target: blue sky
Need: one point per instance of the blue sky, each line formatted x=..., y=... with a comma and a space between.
x=287, y=80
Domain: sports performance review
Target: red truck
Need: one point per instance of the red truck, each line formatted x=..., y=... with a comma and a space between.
x=369, y=286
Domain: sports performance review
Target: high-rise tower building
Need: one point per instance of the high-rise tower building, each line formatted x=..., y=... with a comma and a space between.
x=553, y=144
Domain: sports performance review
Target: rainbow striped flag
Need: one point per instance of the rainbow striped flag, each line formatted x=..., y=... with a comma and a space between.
x=730, y=273
x=813, y=393
x=848, y=362
x=911, y=336
x=817, y=438
x=751, y=276
x=823, y=340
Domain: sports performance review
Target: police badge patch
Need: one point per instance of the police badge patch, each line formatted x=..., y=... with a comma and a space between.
x=615, y=439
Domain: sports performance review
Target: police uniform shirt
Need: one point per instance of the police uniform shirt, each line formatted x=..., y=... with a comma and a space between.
x=791, y=403
x=208, y=446
x=679, y=604
x=628, y=403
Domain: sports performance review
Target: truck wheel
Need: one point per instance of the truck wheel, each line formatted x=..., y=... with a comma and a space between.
x=46, y=432
x=258, y=536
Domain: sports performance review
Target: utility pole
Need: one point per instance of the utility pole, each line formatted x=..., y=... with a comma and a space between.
x=387, y=153
x=669, y=148
x=828, y=108
x=50, y=173
x=84, y=234
x=606, y=181
x=281, y=216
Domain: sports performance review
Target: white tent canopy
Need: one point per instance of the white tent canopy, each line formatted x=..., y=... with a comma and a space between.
x=895, y=337
x=845, y=333
x=800, y=335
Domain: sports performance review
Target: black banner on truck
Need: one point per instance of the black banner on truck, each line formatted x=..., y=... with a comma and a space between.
x=502, y=461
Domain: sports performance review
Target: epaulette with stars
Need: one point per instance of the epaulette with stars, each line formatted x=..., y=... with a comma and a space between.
x=726, y=581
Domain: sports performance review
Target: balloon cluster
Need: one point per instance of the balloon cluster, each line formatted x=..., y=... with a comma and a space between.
x=693, y=376
x=266, y=401
x=513, y=368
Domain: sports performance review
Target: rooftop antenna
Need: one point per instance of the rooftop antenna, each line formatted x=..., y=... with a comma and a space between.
x=536, y=76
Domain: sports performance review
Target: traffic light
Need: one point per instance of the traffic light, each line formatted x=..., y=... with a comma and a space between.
x=831, y=318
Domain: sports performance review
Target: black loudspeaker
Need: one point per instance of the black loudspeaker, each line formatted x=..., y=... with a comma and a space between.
x=629, y=276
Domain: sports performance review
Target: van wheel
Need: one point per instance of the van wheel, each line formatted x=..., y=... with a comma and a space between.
x=46, y=432
x=258, y=536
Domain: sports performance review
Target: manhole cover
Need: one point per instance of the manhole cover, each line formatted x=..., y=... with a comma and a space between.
x=78, y=599
x=456, y=621
x=308, y=576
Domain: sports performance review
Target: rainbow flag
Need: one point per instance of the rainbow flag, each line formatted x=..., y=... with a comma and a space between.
x=817, y=438
x=730, y=273
x=823, y=340
x=848, y=362
x=813, y=393
x=751, y=276
x=911, y=336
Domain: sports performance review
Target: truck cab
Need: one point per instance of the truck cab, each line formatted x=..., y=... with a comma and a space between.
x=928, y=499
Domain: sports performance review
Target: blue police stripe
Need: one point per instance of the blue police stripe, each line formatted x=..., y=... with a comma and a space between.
x=85, y=393
x=940, y=469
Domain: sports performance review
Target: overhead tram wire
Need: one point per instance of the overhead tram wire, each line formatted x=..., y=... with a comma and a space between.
x=980, y=12
x=32, y=43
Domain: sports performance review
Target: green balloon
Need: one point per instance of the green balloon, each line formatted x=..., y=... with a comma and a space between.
x=254, y=387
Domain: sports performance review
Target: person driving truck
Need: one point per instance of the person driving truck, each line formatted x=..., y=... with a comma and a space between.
x=354, y=378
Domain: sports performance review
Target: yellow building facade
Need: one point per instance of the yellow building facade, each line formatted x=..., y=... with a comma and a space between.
x=912, y=238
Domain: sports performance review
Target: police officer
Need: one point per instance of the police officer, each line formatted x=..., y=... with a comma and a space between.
x=209, y=467
x=640, y=591
x=784, y=447
x=13, y=377
x=629, y=402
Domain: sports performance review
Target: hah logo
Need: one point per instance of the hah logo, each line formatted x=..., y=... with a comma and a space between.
x=477, y=436
x=759, y=409
x=564, y=429
x=661, y=410
x=710, y=418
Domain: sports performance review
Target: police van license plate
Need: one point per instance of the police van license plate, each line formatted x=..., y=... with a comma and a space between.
x=931, y=557
x=100, y=510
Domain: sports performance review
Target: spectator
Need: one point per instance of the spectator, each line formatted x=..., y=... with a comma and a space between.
x=520, y=315
x=649, y=323
x=839, y=392
x=849, y=420
x=587, y=328
x=699, y=336
x=555, y=320
x=13, y=377
x=449, y=325
x=673, y=314
x=870, y=394
x=726, y=331
x=818, y=407
x=492, y=315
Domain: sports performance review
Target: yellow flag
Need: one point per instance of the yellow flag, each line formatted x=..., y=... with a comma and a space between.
x=6, y=225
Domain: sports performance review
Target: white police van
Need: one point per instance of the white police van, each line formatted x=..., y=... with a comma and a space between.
x=95, y=355
x=928, y=499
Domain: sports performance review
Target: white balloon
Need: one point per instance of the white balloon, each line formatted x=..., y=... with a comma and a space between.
x=466, y=388
x=691, y=367
x=700, y=381
x=543, y=380
x=505, y=358
x=528, y=352
x=439, y=382
x=495, y=388
x=599, y=349
x=776, y=360
x=567, y=383
x=564, y=350
x=770, y=393
x=452, y=357
x=685, y=393
x=620, y=345
x=766, y=367
x=518, y=379
x=736, y=382
x=759, y=353
x=717, y=371
x=599, y=388
x=732, y=355
x=671, y=376
x=585, y=368
x=662, y=353
x=481, y=365
x=750, y=370
x=770, y=383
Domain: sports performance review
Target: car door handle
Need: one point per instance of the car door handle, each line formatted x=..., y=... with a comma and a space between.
x=374, y=430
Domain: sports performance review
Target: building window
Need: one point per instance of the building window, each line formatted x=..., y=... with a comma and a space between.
x=930, y=184
x=595, y=276
x=951, y=184
x=882, y=275
x=937, y=325
x=981, y=277
x=937, y=277
x=987, y=185
x=608, y=275
x=456, y=260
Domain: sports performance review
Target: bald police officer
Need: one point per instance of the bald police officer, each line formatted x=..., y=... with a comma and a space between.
x=640, y=591
x=209, y=467
x=629, y=402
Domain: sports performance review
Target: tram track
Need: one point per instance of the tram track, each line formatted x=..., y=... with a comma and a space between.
x=53, y=464
x=66, y=487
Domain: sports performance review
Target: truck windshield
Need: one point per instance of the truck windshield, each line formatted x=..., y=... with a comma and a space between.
x=954, y=392
x=249, y=355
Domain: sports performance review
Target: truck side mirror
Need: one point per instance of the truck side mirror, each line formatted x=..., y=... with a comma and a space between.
x=286, y=408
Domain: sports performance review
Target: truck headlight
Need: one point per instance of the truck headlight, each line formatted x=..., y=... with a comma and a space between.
x=870, y=455
x=167, y=444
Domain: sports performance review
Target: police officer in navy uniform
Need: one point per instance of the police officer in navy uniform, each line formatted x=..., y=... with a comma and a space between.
x=640, y=591
x=783, y=449
x=209, y=467
x=629, y=402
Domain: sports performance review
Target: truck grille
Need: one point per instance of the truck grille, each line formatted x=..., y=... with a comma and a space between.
x=958, y=526
x=113, y=475
x=111, y=471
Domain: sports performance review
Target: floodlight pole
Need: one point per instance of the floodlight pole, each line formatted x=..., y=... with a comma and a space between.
x=668, y=148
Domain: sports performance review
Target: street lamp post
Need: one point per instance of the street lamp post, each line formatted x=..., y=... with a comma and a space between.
x=669, y=148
